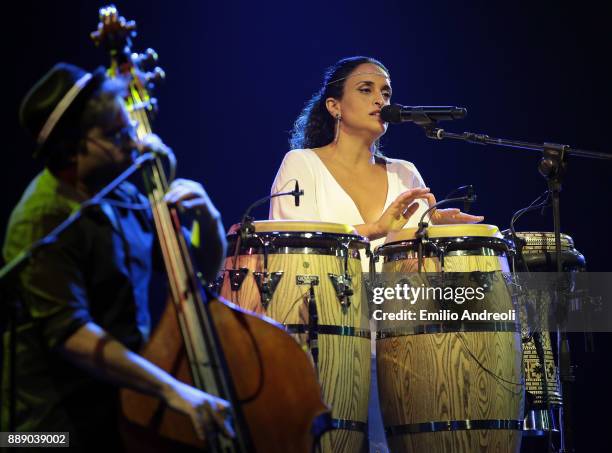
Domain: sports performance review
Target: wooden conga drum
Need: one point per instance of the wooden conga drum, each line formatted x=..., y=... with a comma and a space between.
x=308, y=276
x=450, y=386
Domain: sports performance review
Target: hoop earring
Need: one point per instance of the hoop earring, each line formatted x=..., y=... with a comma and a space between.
x=337, y=134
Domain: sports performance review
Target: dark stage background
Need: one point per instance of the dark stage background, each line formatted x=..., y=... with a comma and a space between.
x=238, y=73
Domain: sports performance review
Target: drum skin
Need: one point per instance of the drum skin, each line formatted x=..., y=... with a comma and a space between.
x=343, y=360
x=430, y=384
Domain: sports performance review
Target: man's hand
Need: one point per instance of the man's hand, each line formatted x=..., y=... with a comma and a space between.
x=206, y=411
x=190, y=195
x=94, y=350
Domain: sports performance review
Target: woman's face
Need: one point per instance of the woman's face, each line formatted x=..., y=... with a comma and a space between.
x=366, y=90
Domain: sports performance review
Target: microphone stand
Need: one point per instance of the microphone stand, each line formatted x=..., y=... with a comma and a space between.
x=552, y=167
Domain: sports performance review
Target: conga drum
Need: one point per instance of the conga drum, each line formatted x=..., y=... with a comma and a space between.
x=308, y=276
x=450, y=386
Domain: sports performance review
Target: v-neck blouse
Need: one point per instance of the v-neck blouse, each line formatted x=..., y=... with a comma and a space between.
x=325, y=200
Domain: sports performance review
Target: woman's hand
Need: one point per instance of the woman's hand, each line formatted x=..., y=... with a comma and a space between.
x=451, y=215
x=396, y=215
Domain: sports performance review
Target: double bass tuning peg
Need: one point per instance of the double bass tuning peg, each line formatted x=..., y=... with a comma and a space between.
x=112, y=28
x=153, y=106
x=145, y=60
x=155, y=76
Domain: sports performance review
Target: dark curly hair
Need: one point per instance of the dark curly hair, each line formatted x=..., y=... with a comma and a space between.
x=315, y=127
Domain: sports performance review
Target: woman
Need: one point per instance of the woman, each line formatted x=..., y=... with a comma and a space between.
x=336, y=160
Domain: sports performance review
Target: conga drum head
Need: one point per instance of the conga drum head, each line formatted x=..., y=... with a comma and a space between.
x=449, y=248
x=308, y=277
x=298, y=233
x=446, y=231
x=287, y=226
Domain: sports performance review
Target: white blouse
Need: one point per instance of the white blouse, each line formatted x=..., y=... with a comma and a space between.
x=325, y=200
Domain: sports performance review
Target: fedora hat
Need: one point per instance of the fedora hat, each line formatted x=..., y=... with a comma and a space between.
x=55, y=102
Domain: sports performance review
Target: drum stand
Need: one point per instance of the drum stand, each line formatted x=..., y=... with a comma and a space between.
x=313, y=327
x=552, y=166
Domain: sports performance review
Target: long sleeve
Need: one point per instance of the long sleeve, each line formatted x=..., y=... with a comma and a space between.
x=295, y=166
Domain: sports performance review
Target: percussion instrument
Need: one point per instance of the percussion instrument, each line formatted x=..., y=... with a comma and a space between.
x=450, y=386
x=308, y=277
x=537, y=254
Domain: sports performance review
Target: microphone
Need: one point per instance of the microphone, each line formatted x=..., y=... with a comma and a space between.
x=297, y=193
x=421, y=115
x=246, y=224
x=470, y=198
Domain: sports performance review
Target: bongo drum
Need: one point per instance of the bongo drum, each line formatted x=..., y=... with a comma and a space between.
x=450, y=386
x=308, y=276
x=538, y=254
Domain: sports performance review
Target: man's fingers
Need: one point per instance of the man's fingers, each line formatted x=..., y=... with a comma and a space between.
x=193, y=203
x=224, y=423
x=202, y=422
x=176, y=194
x=220, y=415
x=184, y=189
x=179, y=194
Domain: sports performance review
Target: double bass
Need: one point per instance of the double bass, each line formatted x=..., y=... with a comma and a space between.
x=203, y=340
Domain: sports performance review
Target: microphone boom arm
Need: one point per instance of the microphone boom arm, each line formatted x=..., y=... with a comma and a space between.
x=246, y=224
x=437, y=133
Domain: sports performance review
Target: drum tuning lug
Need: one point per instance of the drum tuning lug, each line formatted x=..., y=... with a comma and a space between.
x=343, y=284
x=267, y=283
x=237, y=277
x=216, y=284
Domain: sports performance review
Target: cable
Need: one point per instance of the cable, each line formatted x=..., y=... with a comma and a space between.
x=540, y=202
x=487, y=370
x=458, y=189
